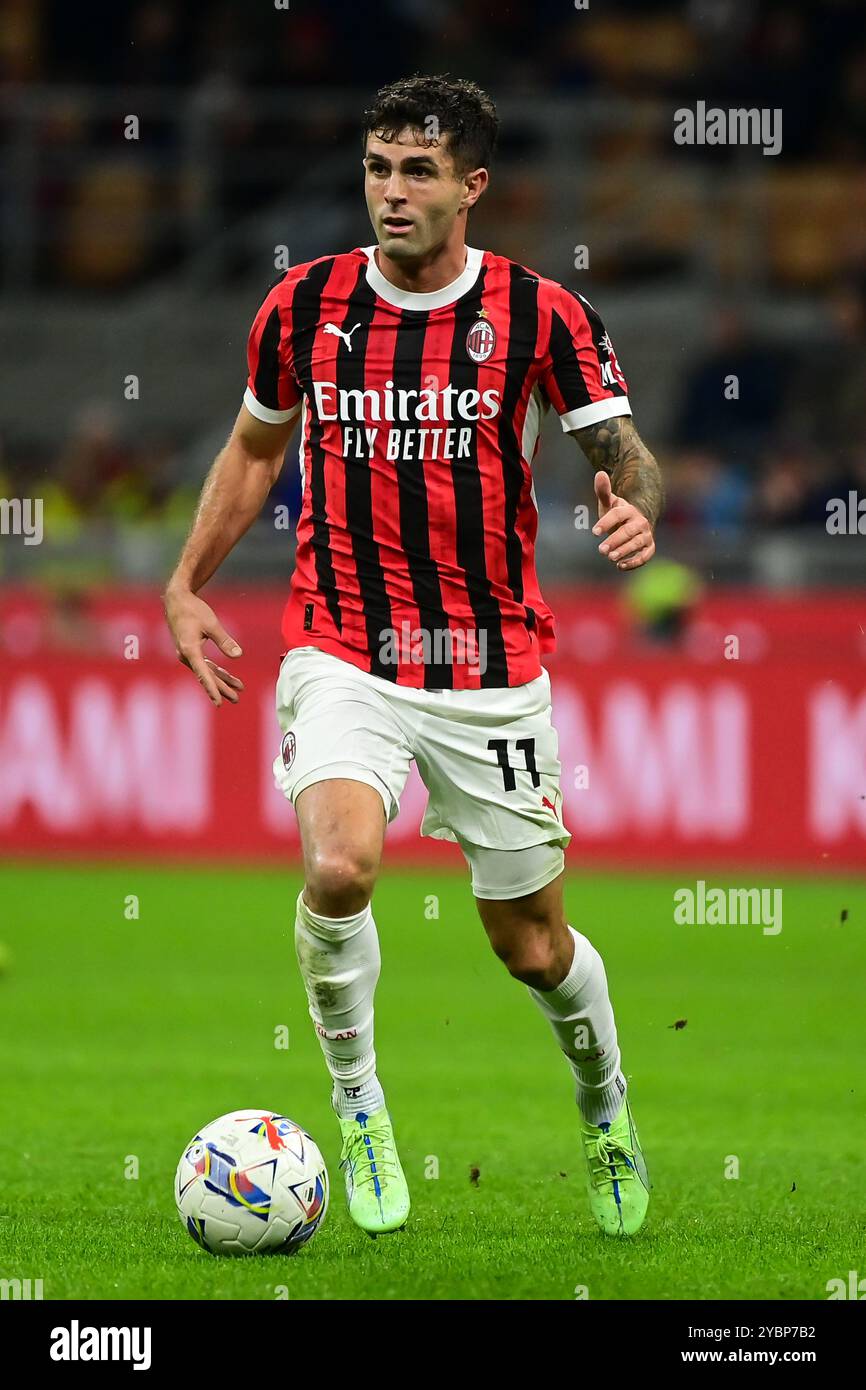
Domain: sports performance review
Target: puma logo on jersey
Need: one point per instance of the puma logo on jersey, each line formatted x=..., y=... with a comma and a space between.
x=338, y=332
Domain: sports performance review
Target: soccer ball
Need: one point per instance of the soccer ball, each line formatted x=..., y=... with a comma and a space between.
x=250, y=1183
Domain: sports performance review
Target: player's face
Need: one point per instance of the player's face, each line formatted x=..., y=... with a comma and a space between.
x=413, y=194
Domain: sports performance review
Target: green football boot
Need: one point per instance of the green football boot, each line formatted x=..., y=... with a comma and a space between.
x=376, y=1187
x=618, y=1182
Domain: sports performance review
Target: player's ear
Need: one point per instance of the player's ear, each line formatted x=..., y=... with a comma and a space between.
x=476, y=181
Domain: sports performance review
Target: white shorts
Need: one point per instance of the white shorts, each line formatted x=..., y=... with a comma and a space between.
x=488, y=758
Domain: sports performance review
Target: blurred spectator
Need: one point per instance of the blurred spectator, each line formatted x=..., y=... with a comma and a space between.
x=732, y=396
x=660, y=600
x=99, y=475
x=94, y=457
x=20, y=40
x=153, y=54
x=824, y=406
x=783, y=489
x=704, y=492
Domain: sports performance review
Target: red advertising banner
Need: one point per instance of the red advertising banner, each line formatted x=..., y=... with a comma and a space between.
x=670, y=756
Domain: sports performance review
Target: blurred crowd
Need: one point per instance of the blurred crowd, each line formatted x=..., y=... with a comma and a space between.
x=106, y=476
x=809, y=59
x=790, y=440
x=119, y=214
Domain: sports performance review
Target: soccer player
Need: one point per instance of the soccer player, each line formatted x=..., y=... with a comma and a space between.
x=420, y=370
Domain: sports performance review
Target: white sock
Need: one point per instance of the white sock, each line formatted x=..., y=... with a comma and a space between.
x=340, y=961
x=580, y=1013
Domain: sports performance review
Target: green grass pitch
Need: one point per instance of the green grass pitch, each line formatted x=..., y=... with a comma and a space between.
x=120, y=1037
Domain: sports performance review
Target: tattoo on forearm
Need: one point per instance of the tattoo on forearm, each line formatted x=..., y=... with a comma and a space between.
x=615, y=446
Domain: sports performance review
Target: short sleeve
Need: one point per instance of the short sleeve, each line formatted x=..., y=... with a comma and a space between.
x=273, y=393
x=579, y=373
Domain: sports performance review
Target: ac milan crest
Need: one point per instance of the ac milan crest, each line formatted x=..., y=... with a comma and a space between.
x=481, y=340
x=288, y=749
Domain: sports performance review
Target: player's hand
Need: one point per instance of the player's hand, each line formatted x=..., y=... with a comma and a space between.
x=627, y=534
x=192, y=623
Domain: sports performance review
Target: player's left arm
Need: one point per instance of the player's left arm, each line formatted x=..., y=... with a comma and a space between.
x=628, y=488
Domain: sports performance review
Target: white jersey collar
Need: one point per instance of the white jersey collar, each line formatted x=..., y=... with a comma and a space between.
x=434, y=299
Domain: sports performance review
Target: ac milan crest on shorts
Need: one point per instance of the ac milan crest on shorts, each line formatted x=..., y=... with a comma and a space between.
x=288, y=749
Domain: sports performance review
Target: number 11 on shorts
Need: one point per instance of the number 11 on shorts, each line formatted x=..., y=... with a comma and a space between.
x=527, y=746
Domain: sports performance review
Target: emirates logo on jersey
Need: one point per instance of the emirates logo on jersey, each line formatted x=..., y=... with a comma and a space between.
x=481, y=340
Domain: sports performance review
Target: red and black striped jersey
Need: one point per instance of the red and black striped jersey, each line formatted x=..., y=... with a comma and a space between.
x=421, y=416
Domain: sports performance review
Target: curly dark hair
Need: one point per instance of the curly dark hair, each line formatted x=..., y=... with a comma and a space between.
x=460, y=108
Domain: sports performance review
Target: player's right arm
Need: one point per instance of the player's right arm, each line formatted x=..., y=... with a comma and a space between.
x=233, y=495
